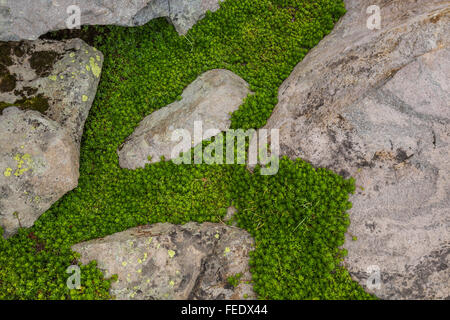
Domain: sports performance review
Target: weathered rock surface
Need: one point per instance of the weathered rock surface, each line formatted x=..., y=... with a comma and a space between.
x=27, y=20
x=210, y=99
x=375, y=105
x=41, y=123
x=39, y=164
x=165, y=261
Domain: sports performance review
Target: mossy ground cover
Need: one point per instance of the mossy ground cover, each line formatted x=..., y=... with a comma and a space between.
x=298, y=216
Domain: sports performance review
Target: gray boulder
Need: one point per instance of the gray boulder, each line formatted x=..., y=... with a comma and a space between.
x=210, y=99
x=165, y=261
x=38, y=163
x=27, y=20
x=42, y=114
x=375, y=105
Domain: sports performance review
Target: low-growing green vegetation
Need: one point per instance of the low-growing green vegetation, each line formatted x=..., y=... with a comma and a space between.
x=298, y=216
x=234, y=280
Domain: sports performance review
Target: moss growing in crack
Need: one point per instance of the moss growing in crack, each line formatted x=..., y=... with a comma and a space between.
x=43, y=61
x=7, y=82
x=38, y=103
x=5, y=54
x=234, y=280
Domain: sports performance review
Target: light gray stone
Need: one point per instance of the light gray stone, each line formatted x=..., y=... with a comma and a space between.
x=375, y=105
x=38, y=164
x=210, y=99
x=165, y=261
x=27, y=20
x=39, y=148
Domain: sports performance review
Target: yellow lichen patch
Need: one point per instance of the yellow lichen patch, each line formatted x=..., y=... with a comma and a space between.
x=124, y=263
x=217, y=236
x=171, y=253
x=172, y=283
x=87, y=68
x=21, y=162
x=97, y=57
x=72, y=55
x=61, y=76
x=8, y=172
x=53, y=78
x=94, y=67
x=84, y=98
x=227, y=250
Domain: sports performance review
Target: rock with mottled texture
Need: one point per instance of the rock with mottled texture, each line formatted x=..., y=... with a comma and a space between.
x=165, y=261
x=375, y=105
x=42, y=115
x=209, y=100
x=27, y=20
x=38, y=165
x=57, y=78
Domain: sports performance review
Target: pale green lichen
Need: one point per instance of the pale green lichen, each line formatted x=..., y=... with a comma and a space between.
x=22, y=160
x=171, y=253
x=8, y=172
x=84, y=98
x=94, y=67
